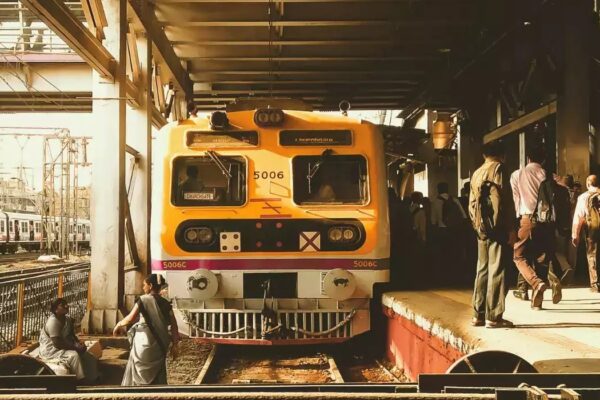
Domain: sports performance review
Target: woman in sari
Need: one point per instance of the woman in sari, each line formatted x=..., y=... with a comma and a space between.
x=149, y=337
x=59, y=345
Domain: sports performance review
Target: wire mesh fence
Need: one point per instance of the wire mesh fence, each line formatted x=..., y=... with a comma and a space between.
x=25, y=302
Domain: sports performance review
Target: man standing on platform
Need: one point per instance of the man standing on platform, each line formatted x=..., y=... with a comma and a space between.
x=535, y=239
x=587, y=212
x=490, y=210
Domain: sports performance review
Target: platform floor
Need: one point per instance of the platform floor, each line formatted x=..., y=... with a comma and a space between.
x=562, y=337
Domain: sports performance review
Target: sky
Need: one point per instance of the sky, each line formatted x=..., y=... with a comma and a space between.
x=31, y=149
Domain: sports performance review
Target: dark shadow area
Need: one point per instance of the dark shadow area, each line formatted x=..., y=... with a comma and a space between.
x=558, y=325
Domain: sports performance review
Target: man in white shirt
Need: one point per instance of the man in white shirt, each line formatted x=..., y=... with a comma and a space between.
x=579, y=220
x=534, y=239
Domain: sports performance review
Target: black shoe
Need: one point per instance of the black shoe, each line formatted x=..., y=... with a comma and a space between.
x=537, y=297
x=567, y=276
x=521, y=294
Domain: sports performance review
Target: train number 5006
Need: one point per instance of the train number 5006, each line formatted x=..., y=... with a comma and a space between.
x=268, y=175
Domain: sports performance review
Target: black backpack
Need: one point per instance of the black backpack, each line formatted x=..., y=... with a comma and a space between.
x=452, y=215
x=552, y=206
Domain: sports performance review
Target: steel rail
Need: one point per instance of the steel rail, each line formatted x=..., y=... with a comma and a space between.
x=46, y=272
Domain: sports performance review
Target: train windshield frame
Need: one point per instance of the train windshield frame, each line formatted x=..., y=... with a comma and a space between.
x=330, y=179
x=219, y=180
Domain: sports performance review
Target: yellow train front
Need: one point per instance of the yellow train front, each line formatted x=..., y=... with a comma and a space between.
x=271, y=226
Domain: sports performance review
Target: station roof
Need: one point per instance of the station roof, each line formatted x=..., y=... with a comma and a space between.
x=376, y=54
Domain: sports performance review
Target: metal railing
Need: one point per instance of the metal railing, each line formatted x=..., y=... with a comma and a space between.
x=25, y=302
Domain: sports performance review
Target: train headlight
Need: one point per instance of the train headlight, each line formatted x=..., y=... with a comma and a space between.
x=191, y=235
x=343, y=234
x=349, y=234
x=335, y=234
x=268, y=117
x=205, y=235
x=202, y=235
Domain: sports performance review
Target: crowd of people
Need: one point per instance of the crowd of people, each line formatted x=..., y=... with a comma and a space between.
x=500, y=219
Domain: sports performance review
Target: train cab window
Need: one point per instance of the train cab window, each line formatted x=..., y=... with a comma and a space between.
x=330, y=179
x=211, y=180
x=37, y=227
x=24, y=227
x=87, y=229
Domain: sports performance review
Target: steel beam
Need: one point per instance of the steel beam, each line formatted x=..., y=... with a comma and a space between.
x=313, y=23
x=195, y=73
x=315, y=58
x=62, y=21
x=521, y=122
x=162, y=48
x=348, y=42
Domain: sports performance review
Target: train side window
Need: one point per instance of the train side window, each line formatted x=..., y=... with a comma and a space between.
x=2, y=226
x=24, y=227
x=87, y=228
x=214, y=180
x=330, y=179
x=11, y=228
x=37, y=227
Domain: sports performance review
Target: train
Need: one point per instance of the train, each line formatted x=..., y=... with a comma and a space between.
x=270, y=225
x=24, y=231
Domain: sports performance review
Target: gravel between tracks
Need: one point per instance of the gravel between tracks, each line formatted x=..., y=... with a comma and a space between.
x=190, y=360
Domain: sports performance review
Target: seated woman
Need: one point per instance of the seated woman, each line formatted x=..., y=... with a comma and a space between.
x=149, y=337
x=60, y=345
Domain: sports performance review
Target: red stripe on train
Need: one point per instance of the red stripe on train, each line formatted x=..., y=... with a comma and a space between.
x=238, y=264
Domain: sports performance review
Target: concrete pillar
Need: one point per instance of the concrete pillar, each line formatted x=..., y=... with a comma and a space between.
x=108, y=181
x=139, y=136
x=573, y=106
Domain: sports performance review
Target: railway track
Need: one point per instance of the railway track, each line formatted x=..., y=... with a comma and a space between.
x=13, y=258
x=9, y=275
x=292, y=365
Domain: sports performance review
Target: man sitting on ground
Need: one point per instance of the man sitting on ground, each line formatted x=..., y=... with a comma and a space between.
x=60, y=345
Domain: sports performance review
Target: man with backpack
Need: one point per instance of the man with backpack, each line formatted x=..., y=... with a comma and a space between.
x=446, y=210
x=587, y=212
x=490, y=211
x=532, y=194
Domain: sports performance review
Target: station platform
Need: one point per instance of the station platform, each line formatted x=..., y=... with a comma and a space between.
x=429, y=330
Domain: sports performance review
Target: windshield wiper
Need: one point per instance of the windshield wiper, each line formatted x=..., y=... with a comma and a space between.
x=214, y=156
x=217, y=160
x=315, y=168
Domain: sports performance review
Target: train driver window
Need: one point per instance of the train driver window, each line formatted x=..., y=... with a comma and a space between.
x=330, y=179
x=210, y=180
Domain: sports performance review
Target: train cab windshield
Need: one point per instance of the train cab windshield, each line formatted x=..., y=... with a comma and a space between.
x=330, y=179
x=209, y=180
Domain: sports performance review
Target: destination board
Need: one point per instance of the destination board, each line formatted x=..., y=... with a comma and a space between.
x=334, y=137
x=221, y=138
